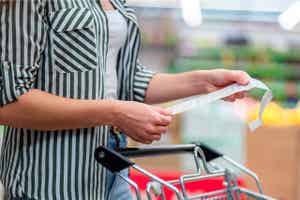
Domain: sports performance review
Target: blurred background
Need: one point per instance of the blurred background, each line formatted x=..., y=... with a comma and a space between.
x=260, y=37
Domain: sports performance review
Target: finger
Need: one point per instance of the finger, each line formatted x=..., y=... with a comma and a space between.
x=162, y=111
x=163, y=129
x=160, y=129
x=138, y=139
x=145, y=139
x=154, y=129
x=156, y=137
x=139, y=136
x=229, y=99
x=234, y=97
x=240, y=95
x=239, y=77
x=147, y=142
x=149, y=138
x=163, y=120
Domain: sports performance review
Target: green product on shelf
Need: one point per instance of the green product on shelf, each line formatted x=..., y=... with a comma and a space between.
x=251, y=54
x=278, y=90
x=272, y=71
x=269, y=71
x=210, y=54
x=298, y=89
x=182, y=65
x=291, y=56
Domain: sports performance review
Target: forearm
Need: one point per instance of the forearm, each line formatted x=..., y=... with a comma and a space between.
x=167, y=87
x=43, y=111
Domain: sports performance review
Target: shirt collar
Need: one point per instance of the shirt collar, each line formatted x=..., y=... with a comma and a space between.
x=120, y=5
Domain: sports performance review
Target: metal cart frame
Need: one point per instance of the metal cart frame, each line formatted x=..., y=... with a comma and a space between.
x=204, y=156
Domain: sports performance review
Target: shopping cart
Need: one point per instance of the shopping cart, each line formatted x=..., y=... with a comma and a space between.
x=206, y=169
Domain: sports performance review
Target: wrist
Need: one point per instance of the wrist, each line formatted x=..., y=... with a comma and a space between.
x=108, y=111
x=200, y=81
x=116, y=108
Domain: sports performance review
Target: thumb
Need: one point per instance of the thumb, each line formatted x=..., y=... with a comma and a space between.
x=239, y=77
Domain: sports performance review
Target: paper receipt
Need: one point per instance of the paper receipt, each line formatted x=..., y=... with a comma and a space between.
x=191, y=102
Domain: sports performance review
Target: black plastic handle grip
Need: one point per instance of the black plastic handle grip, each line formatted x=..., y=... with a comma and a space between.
x=156, y=150
x=210, y=154
x=112, y=160
x=117, y=161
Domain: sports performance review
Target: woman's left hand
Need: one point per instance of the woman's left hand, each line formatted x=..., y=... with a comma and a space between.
x=220, y=78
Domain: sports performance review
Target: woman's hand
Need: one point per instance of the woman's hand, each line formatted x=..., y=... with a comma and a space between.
x=141, y=122
x=220, y=78
x=168, y=87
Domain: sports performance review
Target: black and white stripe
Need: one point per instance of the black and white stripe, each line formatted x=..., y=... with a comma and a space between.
x=60, y=47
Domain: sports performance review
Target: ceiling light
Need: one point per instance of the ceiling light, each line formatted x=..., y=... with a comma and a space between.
x=191, y=12
x=291, y=17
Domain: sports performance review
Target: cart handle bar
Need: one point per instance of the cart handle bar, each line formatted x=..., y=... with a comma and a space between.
x=112, y=160
x=136, y=152
x=116, y=161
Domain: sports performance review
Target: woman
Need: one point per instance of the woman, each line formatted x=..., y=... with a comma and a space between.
x=69, y=73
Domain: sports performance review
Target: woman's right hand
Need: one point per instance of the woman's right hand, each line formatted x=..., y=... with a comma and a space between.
x=143, y=123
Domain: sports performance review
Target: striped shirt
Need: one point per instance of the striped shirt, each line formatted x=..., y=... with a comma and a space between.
x=60, y=46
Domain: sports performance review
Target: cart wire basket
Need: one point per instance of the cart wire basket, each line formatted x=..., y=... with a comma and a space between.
x=204, y=156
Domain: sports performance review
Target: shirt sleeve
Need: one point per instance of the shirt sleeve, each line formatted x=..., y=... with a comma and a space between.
x=22, y=41
x=141, y=82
